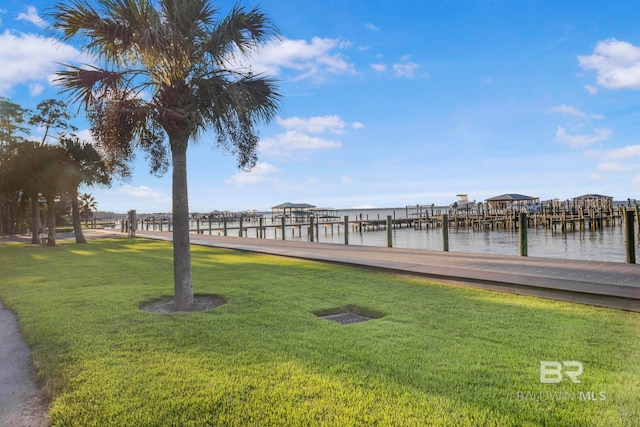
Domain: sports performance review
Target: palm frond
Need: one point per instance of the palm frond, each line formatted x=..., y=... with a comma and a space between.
x=240, y=30
x=81, y=83
x=233, y=108
x=252, y=98
x=191, y=18
x=106, y=35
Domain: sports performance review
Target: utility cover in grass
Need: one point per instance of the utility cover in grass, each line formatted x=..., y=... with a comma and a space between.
x=349, y=314
x=346, y=318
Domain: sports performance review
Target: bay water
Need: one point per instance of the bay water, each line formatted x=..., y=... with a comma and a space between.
x=605, y=244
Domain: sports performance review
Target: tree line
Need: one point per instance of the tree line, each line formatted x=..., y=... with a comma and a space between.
x=46, y=171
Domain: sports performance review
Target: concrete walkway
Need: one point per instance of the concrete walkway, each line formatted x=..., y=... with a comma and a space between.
x=606, y=284
x=20, y=402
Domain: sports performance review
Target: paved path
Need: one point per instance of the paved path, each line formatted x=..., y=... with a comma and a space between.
x=20, y=403
x=607, y=284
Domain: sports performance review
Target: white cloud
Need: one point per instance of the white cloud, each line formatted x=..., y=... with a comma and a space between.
x=260, y=172
x=591, y=89
x=318, y=124
x=636, y=181
x=617, y=64
x=35, y=89
x=614, y=167
x=32, y=16
x=85, y=135
x=28, y=58
x=309, y=60
x=144, y=193
x=623, y=153
x=346, y=180
x=581, y=141
x=298, y=143
x=381, y=68
x=573, y=111
x=406, y=70
x=294, y=144
x=369, y=26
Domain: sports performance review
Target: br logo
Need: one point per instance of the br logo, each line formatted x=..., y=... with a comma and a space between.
x=551, y=372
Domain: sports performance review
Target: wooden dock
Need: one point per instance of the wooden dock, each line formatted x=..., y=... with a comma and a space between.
x=562, y=221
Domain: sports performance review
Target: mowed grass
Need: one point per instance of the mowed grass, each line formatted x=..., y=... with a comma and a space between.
x=441, y=355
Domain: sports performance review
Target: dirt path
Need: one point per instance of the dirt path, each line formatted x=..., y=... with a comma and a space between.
x=20, y=402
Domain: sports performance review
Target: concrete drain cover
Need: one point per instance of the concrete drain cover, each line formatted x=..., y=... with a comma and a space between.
x=346, y=318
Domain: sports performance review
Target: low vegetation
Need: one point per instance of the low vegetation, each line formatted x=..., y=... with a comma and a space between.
x=440, y=355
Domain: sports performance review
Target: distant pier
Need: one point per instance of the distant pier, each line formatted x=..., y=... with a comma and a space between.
x=561, y=218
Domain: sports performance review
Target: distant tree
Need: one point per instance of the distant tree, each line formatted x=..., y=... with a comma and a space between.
x=31, y=173
x=12, y=123
x=88, y=205
x=165, y=72
x=13, y=118
x=51, y=182
x=51, y=115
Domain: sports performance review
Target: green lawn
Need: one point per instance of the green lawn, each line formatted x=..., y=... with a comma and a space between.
x=441, y=355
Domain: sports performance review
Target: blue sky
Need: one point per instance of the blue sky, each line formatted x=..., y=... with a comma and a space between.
x=393, y=103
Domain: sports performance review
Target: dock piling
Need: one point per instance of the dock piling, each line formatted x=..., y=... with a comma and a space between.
x=346, y=229
x=445, y=232
x=629, y=240
x=522, y=228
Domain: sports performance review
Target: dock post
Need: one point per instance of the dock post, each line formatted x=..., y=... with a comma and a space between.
x=638, y=217
x=224, y=225
x=311, y=229
x=284, y=220
x=522, y=225
x=260, y=234
x=445, y=232
x=346, y=229
x=240, y=231
x=389, y=232
x=210, y=232
x=630, y=236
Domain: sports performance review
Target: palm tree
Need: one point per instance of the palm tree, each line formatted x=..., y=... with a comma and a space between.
x=84, y=165
x=88, y=204
x=164, y=73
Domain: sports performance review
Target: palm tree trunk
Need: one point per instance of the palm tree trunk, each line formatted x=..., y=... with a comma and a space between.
x=75, y=214
x=183, y=285
x=35, y=219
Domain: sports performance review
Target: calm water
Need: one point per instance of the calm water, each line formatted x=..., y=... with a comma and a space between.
x=606, y=244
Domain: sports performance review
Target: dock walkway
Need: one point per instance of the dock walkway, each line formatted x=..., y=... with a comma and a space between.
x=605, y=284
